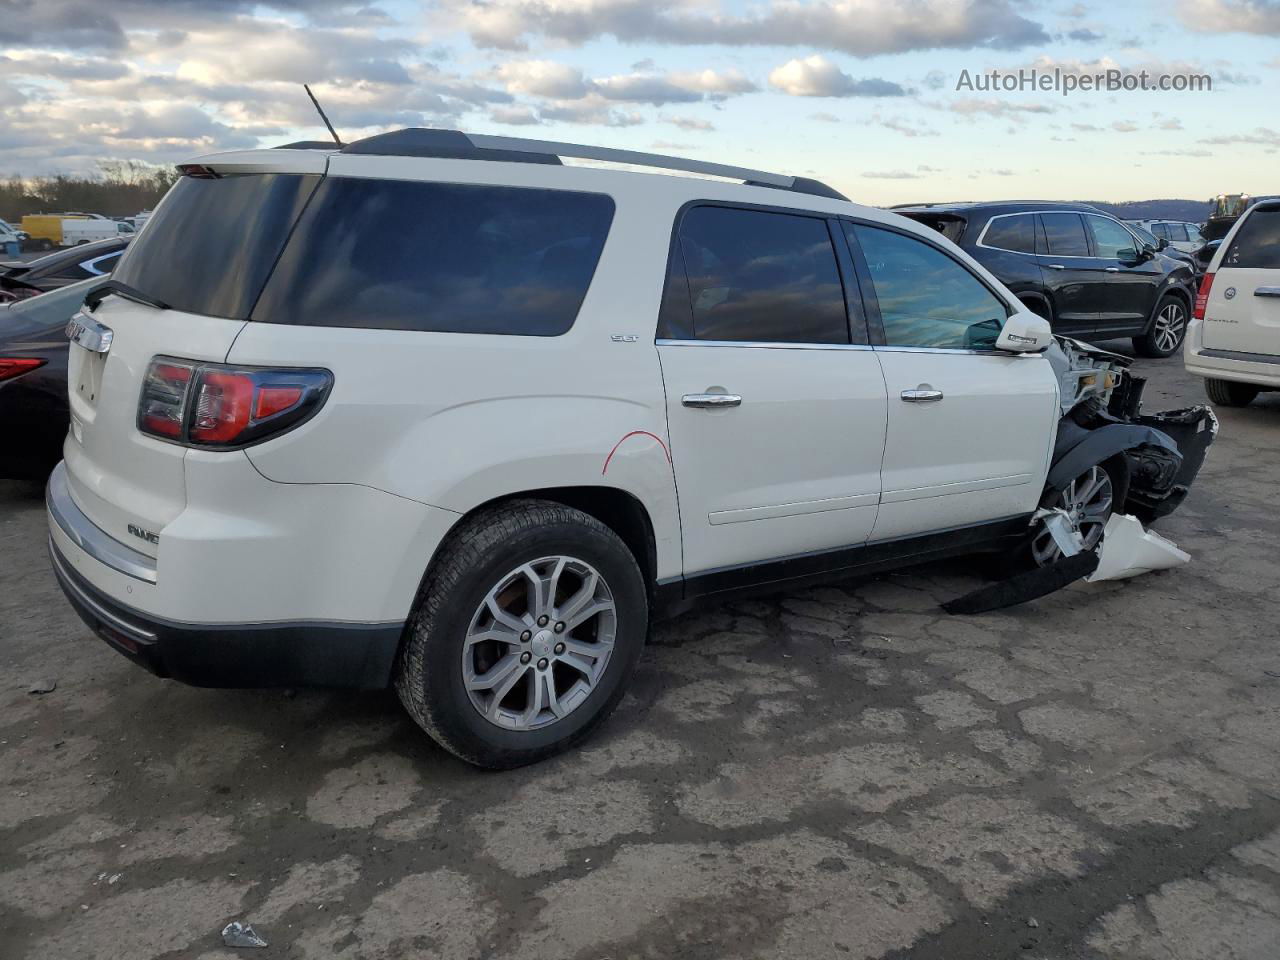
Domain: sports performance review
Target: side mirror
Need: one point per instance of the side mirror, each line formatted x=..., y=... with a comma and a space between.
x=1161, y=243
x=1025, y=332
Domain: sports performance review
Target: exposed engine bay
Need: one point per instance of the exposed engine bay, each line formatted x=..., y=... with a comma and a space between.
x=1102, y=418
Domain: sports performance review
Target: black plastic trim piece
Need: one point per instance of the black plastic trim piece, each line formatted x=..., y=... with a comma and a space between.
x=439, y=144
x=241, y=655
x=309, y=145
x=863, y=559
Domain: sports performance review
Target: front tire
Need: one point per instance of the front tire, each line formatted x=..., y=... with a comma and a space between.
x=528, y=628
x=1228, y=393
x=1090, y=499
x=1168, y=329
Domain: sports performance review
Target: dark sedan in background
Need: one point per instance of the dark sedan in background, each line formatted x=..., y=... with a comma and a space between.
x=1084, y=271
x=33, y=380
x=84, y=262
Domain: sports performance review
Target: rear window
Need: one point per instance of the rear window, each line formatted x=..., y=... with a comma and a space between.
x=212, y=242
x=1064, y=234
x=1016, y=233
x=947, y=224
x=403, y=255
x=1257, y=244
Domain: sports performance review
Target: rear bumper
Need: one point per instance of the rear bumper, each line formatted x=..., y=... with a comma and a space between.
x=299, y=654
x=1260, y=369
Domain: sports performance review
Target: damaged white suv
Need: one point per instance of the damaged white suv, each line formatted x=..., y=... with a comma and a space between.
x=446, y=413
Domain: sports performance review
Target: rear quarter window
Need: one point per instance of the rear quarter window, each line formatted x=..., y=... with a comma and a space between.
x=1257, y=244
x=457, y=258
x=211, y=243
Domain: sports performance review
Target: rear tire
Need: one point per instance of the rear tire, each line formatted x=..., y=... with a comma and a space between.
x=1228, y=393
x=46, y=244
x=487, y=670
x=1168, y=329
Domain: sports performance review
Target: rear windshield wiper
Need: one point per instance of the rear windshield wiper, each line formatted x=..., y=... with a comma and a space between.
x=120, y=288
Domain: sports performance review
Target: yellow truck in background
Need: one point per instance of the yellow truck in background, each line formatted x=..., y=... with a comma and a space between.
x=50, y=230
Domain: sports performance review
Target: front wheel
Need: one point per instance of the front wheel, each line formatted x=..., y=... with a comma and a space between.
x=1228, y=393
x=1089, y=500
x=529, y=626
x=1167, y=332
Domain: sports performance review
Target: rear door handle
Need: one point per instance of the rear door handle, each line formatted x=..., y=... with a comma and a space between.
x=711, y=401
x=1055, y=266
x=1113, y=269
x=1267, y=292
x=922, y=395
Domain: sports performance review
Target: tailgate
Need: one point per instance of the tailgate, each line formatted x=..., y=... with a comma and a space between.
x=1243, y=312
x=131, y=485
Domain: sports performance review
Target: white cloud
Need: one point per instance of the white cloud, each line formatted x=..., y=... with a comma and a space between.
x=816, y=76
x=1261, y=136
x=1231, y=16
x=858, y=27
x=690, y=123
x=543, y=78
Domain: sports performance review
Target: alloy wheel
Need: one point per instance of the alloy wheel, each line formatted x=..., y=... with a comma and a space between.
x=1087, y=501
x=539, y=643
x=1170, y=325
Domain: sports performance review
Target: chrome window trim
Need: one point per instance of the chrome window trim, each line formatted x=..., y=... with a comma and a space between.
x=760, y=344
x=89, y=537
x=665, y=342
x=1033, y=213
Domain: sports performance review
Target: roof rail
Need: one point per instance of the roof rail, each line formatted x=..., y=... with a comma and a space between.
x=308, y=145
x=426, y=142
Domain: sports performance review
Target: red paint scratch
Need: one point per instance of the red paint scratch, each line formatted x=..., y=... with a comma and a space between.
x=634, y=433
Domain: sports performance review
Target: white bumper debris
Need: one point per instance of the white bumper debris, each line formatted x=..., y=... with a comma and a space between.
x=1129, y=550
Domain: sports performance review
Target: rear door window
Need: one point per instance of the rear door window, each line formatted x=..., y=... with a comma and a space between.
x=1064, y=234
x=460, y=258
x=1177, y=232
x=1257, y=243
x=212, y=241
x=764, y=277
x=1016, y=233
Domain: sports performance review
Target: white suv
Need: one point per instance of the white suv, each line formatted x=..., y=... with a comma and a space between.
x=1233, y=340
x=444, y=412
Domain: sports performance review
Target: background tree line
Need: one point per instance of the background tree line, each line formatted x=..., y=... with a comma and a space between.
x=121, y=188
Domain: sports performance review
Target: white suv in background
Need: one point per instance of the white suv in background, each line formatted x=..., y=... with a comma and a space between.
x=1233, y=340
x=1181, y=235
x=444, y=412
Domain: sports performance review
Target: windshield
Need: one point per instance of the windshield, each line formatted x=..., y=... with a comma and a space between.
x=212, y=242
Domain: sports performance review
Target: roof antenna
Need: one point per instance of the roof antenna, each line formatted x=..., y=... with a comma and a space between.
x=333, y=133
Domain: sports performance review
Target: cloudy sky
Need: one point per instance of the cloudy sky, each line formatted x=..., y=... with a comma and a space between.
x=861, y=93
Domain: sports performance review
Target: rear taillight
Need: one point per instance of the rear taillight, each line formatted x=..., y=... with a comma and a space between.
x=215, y=405
x=1202, y=298
x=11, y=367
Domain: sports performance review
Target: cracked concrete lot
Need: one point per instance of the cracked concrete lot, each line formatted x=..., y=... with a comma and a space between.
x=837, y=772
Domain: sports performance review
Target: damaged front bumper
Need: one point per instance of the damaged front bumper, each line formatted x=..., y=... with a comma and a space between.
x=1159, y=481
x=1101, y=419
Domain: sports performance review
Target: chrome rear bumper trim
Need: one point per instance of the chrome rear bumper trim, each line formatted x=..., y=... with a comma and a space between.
x=91, y=538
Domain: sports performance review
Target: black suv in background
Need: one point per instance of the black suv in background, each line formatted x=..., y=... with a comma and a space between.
x=1087, y=273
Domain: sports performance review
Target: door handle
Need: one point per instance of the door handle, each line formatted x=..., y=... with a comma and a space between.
x=1113, y=269
x=1267, y=292
x=711, y=401
x=923, y=394
x=1055, y=266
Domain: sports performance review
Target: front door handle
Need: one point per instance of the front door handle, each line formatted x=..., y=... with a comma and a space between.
x=1055, y=266
x=711, y=401
x=1113, y=269
x=922, y=394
